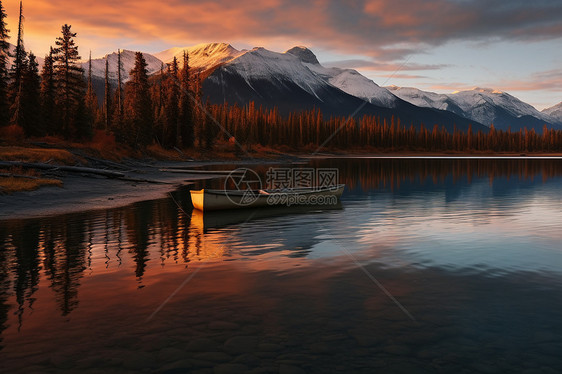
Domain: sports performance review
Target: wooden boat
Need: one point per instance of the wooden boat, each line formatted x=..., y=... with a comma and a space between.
x=207, y=200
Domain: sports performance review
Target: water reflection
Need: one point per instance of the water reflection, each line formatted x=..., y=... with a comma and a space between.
x=443, y=221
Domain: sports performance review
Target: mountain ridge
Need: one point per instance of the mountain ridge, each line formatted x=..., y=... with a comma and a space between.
x=485, y=105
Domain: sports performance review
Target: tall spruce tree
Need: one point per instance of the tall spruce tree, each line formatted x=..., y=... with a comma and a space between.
x=17, y=71
x=138, y=106
x=69, y=83
x=91, y=98
x=107, y=97
x=30, y=118
x=171, y=133
x=17, y=111
x=4, y=54
x=48, y=92
x=119, y=85
x=210, y=129
x=117, y=120
x=20, y=59
x=185, y=118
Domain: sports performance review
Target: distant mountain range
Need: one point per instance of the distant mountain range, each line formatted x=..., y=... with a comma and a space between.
x=485, y=105
x=554, y=112
x=295, y=80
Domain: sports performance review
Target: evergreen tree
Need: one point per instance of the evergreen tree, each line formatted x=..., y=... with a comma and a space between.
x=138, y=106
x=20, y=60
x=17, y=111
x=48, y=106
x=30, y=108
x=210, y=129
x=16, y=75
x=91, y=98
x=185, y=118
x=69, y=83
x=117, y=119
x=119, y=85
x=171, y=100
x=4, y=54
x=82, y=120
x=107, y=97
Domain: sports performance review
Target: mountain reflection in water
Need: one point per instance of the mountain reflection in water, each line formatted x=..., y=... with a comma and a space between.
x=469, y=247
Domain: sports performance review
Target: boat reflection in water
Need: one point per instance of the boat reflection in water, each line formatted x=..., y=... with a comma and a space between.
x=218, y=219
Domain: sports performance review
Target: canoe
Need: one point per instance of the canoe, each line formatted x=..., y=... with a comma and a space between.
x=207, y=200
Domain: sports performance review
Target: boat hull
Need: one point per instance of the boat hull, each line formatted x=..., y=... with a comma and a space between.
x=209, y=200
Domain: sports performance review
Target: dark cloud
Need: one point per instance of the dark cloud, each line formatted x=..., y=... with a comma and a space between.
x=387, y=30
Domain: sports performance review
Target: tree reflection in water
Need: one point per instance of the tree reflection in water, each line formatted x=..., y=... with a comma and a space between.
x=58, y=250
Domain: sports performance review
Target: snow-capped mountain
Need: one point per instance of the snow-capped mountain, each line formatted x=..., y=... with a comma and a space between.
x=477, y=97
x=202, y=56
x=554, y=112
x=484, y=105
x=128, y=62
x=347, y=80
x=294, y=81
x=426, y=99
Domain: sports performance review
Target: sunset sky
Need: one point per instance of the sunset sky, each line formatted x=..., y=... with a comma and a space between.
x=436, y=45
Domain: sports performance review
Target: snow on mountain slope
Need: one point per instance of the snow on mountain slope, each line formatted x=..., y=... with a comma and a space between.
x=128, y=62
x=484, y=105
x=262, y=64
x=202, y=56
x=554, y=112
x=292, y=82
x=426, y=99
x=347, y=80
x=477, y=100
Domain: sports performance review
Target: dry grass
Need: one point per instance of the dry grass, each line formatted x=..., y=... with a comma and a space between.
x=31, y=154
x=23, y=180
x=14, y=184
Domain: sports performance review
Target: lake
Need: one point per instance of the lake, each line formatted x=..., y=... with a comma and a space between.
x=427, y=265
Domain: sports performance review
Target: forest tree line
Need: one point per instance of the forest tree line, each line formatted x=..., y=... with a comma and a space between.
x=168, y=109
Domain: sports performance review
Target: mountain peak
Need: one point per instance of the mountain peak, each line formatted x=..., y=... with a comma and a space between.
x=482, y=90
x=304, y=54
x=555, y=112
x=212, y=47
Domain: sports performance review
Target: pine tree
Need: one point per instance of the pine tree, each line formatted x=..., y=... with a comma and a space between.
x=20, y=59
x=69, y=84
x=30, y=103
x=107, y=97
x=48, y=92
x=117, y=120
x=16, y=75
x=17, y=111
x=209, y=128
x=138, y=106
x=185, y=118
x=91, y=97
x=119, y=85
x=171, y=107
x=4, y=54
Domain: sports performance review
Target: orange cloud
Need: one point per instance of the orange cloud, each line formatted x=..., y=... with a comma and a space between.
x=368, y=27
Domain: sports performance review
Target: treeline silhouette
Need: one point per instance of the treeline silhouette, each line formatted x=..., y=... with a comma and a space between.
x=251, y=125
x=169, y=109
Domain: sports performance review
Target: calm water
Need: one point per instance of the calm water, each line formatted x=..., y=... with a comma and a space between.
x=449, y=266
